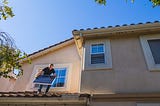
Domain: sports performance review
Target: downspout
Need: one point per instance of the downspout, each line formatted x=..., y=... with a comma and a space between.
x=82, y=62
x=80, y=75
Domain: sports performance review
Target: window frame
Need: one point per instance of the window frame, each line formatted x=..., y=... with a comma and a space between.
x=147, y=51
x=68, y=66
x=86, y=58
x=65, y=82
x=97, y=53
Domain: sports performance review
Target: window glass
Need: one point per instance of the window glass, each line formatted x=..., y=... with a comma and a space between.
x=155, y=49
x=94, y=49
x=100, y=48
x=97, y=48
x=97, y=54
x=61, y=77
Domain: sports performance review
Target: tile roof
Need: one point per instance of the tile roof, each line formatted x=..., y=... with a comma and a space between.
x=117, y=26
x=27, y=94
x=34, y=94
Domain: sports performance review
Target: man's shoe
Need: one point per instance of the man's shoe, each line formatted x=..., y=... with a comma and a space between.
x=57, y=94
x=39, y=92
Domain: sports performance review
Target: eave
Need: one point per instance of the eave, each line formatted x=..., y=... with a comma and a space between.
x=43, y=100
x=118, y=31
x=51, y=98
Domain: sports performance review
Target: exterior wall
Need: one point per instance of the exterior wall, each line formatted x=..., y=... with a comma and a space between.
x=129, y=73
x=65, y=55
x=6, y=84
x=113, y=104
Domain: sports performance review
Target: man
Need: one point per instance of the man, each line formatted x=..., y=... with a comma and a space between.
x=47, y=72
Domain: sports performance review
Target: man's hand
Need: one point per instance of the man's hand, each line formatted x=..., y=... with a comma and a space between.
x=54, y=74
x=38, y=74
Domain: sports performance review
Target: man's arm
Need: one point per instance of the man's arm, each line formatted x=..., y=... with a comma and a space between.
x=54, y=73
x=39, y=73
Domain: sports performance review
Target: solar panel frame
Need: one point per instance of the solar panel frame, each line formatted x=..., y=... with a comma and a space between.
x=44, y=80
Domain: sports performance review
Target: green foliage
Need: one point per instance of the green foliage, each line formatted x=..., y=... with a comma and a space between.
x=101, y=1
x=10, y=57
x=154, y=2
x=9, y=60
x=5, y=10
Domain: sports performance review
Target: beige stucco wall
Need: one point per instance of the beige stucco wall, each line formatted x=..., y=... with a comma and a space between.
x=64, y=55
x=113, y=104
x=129, y=71
x=6, y=84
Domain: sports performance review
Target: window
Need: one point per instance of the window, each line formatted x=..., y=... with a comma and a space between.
x=61, y=77
x=97, y=54
x=151, y=49
x=155, y=49
x=62, y=81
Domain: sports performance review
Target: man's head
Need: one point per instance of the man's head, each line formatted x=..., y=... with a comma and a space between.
x=51, y=66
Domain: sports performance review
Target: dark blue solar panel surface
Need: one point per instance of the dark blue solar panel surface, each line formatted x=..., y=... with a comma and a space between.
x=44, y=80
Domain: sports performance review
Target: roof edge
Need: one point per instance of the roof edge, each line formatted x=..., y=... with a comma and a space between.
x=74, y=32
x=49, y=48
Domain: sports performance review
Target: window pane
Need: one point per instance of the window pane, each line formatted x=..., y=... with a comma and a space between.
x=97, y=48
x=59, y=82
x=94, y=49
x=63, y=73
x=97, y=58
x=61, y=77
x=100, y=48
x=155, y=49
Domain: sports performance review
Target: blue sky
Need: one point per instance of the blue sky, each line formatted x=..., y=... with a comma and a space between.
x=40, y=23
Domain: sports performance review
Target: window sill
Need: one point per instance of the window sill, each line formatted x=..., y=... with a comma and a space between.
x=97, y=68
x=154, y=68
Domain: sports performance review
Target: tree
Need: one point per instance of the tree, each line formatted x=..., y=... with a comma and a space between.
x=5, y=10
x=154, y=2
x=10, y=56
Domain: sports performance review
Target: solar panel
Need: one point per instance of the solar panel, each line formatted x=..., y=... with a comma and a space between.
x=44, y=80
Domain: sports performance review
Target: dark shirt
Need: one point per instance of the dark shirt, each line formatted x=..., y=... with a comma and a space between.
x=47, y=71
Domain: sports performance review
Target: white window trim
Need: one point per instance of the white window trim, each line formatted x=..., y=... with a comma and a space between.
x=98, y=53
x=65, y=83
x=147, y=51
x=108, y=57
x=66, y=87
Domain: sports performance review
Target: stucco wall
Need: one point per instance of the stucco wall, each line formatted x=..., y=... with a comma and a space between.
x=129, y=71
x=6, y=84
x=64, y=55
x=113, y=104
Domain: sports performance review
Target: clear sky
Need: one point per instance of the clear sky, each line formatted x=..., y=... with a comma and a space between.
x=40, y=23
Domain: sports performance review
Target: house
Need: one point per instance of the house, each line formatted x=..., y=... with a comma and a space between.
x=107, y=66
